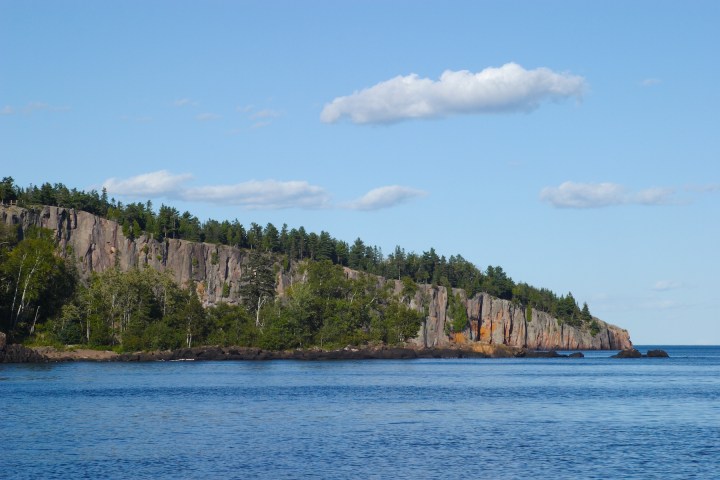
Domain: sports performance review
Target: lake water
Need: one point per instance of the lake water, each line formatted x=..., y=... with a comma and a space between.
x=477, y=418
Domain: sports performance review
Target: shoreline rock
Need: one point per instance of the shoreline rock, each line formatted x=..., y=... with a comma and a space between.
x=216, y=353
x=635, y=353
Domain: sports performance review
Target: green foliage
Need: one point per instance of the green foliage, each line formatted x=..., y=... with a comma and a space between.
x=457, y=312
x=409, y=288
x=257, y=284
x=34, y=282
x=528, y=314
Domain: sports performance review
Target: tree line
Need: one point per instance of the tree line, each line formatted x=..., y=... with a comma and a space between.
x=42, y=301
x=296, y=244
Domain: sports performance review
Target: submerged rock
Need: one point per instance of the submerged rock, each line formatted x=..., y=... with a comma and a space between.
x=657, y=354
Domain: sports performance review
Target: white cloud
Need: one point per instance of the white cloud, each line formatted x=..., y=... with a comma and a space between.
x=185, y=102
x=253, y=194
x=266, y=194
x=649, y=82
x=709, y=188
x=160, y=183
x=509, y=88
x=659, y=304
x=32, y=107
x=266, y=113
x=206, y=117
x=385, y=197
x=662, y=285
x=595, y=195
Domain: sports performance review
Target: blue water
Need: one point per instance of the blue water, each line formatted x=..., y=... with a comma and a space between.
x=472, y=418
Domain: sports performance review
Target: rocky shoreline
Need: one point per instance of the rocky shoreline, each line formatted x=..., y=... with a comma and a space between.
x=20, y=354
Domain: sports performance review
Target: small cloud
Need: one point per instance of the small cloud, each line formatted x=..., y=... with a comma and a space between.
x=509, y=88
x=157, y=183
x=662, y=285
x=709, y=188
x=207, y=117
x=261, y=124
x=265, y=194
x=660, y=304
x=649, y=82
x=244, y=109
x=266, y=113
x=41, y=106
x=185, y=102
x=596, y=195
x=385, y=197
x=32, y=107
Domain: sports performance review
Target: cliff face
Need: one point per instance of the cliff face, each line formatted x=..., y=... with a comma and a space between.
x=500, y=322
x=98, y=244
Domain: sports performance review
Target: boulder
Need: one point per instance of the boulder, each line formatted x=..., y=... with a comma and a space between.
x=19, y=354
x=628, y=353
x=657, y=354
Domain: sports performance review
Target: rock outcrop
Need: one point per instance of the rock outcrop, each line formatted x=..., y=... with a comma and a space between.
x=18, y=353
x=635, y=353
x=98, y=244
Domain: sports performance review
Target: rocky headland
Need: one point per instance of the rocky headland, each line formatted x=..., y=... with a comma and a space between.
x=97, y=244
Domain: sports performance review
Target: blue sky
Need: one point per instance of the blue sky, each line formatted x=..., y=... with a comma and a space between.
x=573, y=143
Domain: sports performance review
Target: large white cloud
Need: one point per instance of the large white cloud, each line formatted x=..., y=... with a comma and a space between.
x=509, y=88
x=595, y=195
x=385, y=197
x=267, y=194
x=161, y=183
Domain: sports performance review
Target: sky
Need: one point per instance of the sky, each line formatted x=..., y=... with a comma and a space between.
x=574, y=143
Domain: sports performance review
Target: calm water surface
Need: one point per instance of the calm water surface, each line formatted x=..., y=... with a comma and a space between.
x=517, y=418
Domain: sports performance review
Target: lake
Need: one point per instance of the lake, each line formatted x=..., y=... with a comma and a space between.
x=593, y=417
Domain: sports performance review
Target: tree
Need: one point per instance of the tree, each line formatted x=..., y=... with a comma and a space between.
x=458, y=313
x=33, y=282
x=257, y=284
x=8, y=191
x=585, y=314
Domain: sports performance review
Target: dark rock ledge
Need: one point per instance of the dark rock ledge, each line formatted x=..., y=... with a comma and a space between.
x=18, y=353
x=635, y=353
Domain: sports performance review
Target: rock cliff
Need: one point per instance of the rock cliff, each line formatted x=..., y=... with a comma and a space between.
x=98, y=244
